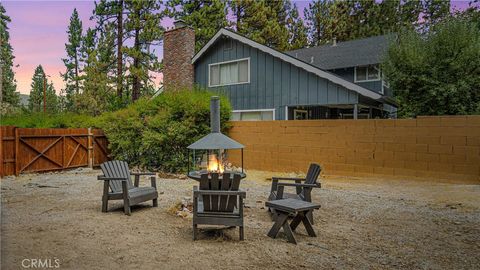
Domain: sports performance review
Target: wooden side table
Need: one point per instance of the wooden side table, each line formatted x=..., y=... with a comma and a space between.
x=291, y=206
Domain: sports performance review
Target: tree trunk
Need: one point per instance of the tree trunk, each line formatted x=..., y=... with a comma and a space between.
x=119, y=49
x=76, y=72
x=1, y=81
x=136, y=64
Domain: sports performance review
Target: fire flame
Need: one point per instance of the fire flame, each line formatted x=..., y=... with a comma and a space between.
x=214, y=165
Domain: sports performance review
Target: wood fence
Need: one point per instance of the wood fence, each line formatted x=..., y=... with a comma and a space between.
x=26, y=150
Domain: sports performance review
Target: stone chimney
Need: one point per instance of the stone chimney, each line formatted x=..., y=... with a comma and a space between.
x=178, y=51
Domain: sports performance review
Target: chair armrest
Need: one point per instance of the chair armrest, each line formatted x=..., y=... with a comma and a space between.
x=137, y=175
x=288, y=178
x=299, y=185
x=104, y=178
x=240, y=193
x=143, y=173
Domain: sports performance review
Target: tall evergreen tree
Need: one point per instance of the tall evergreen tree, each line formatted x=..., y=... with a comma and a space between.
x=71, y=77
x=262, y=21
x=346, y=20
x=296, y=29
x=143, y=25
x=36, y=100
x=99, y=72
x=205, y=16
x=434, y=11
x=317, y=21
x=8, y=86
x=111, y=12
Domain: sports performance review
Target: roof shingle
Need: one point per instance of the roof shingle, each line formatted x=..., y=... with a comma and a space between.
x=359, y=52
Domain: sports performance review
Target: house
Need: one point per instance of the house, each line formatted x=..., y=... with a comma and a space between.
x=265, y=84
x=24, y=100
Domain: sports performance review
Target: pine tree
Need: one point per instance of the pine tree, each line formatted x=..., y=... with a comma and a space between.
x=143, y=25
x=296, y=29
x=262, y=21
x=71, y=76
x=99, y=72
x=346, y=20
x=8, y=86
x=205, y=16
x=410, y=12
x=36, y=93
x=317, y=19
x=434, y=11
x=111, y=12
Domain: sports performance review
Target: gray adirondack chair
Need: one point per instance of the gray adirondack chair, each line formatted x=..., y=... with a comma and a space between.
x=118, y=186
x=303, y=190
x=218, y=201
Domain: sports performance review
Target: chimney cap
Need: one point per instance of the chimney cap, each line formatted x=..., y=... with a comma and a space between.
x=179, y=23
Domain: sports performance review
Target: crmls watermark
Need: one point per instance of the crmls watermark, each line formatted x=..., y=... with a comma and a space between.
x=41, y=263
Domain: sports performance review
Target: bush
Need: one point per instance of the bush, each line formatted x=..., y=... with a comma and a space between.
x=437, y=73
x=41, y=120
x=155, y=133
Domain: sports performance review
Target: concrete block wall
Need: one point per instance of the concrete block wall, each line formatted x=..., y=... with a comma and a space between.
x=446, y=148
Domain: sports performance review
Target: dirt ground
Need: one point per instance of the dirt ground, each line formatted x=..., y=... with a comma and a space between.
x=363, y=224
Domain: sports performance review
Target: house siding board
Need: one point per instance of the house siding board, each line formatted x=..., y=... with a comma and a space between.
x=274, y=83
x=269, y=81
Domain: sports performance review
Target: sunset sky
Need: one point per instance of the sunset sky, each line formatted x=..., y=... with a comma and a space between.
x=38, y=35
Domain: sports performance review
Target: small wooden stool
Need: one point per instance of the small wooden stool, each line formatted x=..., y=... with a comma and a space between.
x=291, y=206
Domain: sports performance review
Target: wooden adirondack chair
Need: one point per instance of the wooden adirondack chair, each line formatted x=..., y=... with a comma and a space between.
x=218, y=202
x=303, y=190
x=118, y=186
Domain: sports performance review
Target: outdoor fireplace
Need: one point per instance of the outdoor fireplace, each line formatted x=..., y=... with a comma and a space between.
x=210, y=153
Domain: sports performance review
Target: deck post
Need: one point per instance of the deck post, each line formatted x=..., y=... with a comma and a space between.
x=355, y=111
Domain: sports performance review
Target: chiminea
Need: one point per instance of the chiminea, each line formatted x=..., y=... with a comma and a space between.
x=210, y=153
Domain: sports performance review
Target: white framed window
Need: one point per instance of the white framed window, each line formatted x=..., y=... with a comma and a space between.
x=253, y=115
x=300, y=114
x=229, y=72
x=367, y=73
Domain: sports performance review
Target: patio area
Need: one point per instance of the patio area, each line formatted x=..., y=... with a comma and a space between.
x=363, y=223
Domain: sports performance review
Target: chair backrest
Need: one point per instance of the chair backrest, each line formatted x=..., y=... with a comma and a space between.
x=311, y=178
x=117, y=168
x=313, y=173
x=219, y=203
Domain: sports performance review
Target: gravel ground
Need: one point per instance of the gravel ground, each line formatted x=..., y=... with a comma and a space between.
x=363, y=224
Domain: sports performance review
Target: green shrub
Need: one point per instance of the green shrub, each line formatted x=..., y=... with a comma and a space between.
x=155, y=133
x=41, y=120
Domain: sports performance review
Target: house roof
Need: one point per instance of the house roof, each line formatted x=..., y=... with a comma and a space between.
x=359, y=52
x=289, y=59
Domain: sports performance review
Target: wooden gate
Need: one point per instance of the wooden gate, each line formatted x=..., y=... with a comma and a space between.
x=47, y=149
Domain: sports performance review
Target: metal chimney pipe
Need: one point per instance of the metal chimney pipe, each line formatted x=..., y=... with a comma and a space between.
x=215, y=114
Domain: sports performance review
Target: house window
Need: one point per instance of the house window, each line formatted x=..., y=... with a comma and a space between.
x=300, y=114
x=367, y=73
x=253, y=115
x=228, y=73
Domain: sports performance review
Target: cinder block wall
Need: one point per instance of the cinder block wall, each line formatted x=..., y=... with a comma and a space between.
x=445, y=148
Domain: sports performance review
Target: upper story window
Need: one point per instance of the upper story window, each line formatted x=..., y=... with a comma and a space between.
x=367, y=73
x=229, y=73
